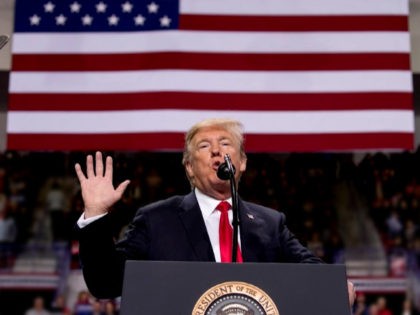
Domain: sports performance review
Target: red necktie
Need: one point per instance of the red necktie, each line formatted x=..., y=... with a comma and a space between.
x=226, y=234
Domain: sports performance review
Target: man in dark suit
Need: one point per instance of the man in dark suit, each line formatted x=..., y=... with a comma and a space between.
x=181, y=228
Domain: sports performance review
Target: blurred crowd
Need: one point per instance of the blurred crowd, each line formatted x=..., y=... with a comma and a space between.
x=40, y=202
x=84, y=305
x=391, y=186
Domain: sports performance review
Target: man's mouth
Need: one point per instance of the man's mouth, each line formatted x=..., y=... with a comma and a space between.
x=215, y=165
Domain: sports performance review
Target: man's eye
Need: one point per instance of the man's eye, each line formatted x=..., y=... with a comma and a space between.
x=203, y=145
x=225, y=143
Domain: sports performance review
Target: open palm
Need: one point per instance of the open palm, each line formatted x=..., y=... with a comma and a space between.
x=98, y=191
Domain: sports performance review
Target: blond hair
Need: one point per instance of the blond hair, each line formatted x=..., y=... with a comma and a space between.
x=232, y=126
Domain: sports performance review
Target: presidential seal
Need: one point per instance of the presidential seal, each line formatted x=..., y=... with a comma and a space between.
x=235, y=298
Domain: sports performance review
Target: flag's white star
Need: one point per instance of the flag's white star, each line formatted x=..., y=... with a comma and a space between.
x=152, y=7
x=101, y=7
x=127, y=7
x=87, y=20
x=34, y=19
x=165, y=21
x=75, y=7
x=49, y=7
x=113, y=20
x=60, y=20
x=139, y=19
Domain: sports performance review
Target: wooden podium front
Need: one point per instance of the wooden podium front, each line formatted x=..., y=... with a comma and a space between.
x=203, y=288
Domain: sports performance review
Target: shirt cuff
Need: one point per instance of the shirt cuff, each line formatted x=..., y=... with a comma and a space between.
x=82, y=222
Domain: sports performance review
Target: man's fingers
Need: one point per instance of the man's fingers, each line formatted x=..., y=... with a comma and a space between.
x=79, y=172
x=352, y=292
x=99, y=164
x=89, y=166
x=109, y=168
x=122, y=187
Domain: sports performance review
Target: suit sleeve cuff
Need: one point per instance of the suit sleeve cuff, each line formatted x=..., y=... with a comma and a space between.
x=82, y=222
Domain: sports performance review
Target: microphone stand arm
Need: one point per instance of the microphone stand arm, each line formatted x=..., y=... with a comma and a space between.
x=235, y=210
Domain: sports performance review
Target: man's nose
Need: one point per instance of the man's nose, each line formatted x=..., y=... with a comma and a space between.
x=215, y=150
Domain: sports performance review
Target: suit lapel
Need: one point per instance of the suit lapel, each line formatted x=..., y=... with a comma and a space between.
x=250, y=226
x=195, y=228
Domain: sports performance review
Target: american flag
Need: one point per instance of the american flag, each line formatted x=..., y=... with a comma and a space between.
x=301, y=75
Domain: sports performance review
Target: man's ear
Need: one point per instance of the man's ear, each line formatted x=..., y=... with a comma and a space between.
x=189, y=170
x=242, y=166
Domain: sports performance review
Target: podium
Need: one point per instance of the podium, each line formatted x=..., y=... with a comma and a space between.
x=206, y=288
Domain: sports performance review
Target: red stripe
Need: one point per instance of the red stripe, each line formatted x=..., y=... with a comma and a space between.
x=211, y=61
x=294, y=23
x=174, y=141
x=329, y=142
x=210, y=101
x=30, y=287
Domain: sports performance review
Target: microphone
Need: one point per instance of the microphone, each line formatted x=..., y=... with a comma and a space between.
x=226, y=170
x=3, y=40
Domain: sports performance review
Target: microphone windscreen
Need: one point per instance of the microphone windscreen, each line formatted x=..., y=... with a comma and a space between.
x=223, y=171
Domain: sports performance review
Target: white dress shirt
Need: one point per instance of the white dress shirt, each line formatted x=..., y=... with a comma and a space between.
x=211, y=218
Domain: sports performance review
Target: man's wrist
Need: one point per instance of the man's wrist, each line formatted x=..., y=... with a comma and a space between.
x=82, y=222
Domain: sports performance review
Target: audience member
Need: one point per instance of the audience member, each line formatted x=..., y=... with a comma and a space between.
x=97, y=307
x=55, y=201
x=38, y=307
x=110, y=308
x=83, y=305
x=360, y=307
x=382, y=307
x=59, y=307
x=8, y=232
x=408, y=308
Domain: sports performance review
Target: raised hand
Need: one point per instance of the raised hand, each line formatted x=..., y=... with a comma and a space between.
x=352, y=292
x=98, y=192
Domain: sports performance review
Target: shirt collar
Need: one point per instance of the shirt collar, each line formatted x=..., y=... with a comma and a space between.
x=206, y=203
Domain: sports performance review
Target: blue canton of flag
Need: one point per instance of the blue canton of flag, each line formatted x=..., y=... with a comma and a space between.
x=95, y=16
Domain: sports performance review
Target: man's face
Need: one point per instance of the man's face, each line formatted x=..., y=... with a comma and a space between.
x=208, y=148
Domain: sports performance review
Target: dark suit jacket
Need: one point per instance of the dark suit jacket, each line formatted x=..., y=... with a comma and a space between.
x=174, y=230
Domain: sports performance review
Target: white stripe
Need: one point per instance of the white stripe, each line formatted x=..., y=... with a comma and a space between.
x=295, y=7
x=191, y=41
x=380, y=285
x=258, y=122
x=210, y=81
